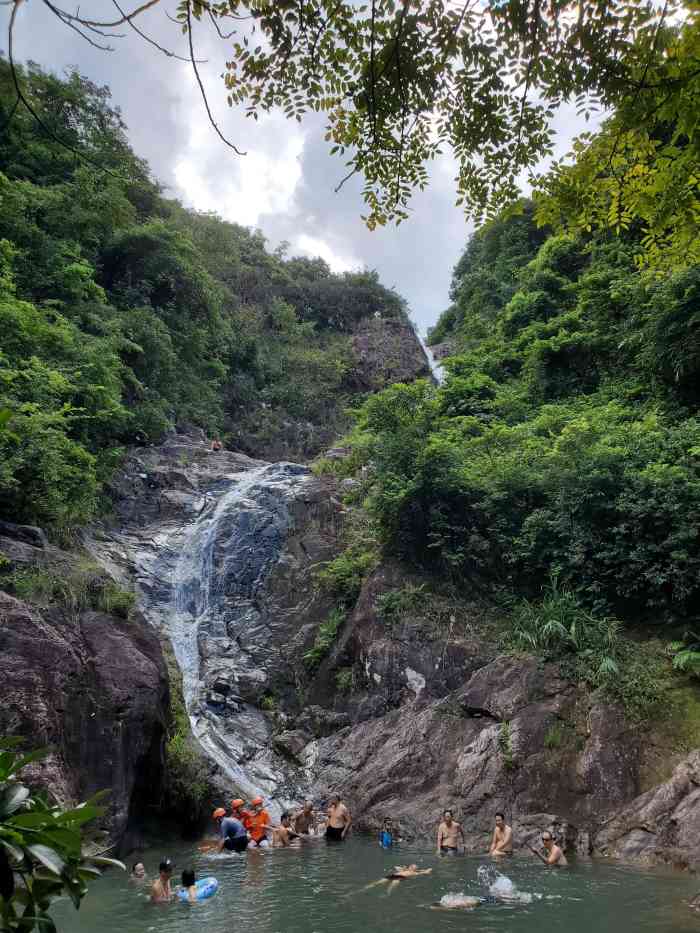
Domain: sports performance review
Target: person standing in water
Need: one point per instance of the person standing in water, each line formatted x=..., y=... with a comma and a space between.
x=234, y=837
x=161, y=892
x=304, y=821
x=502, y=840
x=138, y=872
x=283, y=835
x=338, y=820
x=553, y=854
x=258, y=825
x=386, y=834
x=448, y=835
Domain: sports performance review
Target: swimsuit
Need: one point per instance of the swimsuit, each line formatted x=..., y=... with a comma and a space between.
x=334, y=833
x=386, y=840
x=238, y=844
x=448, y=850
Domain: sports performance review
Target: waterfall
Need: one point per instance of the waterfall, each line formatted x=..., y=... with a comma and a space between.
x=436, y=369
x=221, y=642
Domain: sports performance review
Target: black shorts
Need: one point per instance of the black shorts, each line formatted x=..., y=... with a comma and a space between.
x=334, y=834
x=237, y=844
x=449, y=850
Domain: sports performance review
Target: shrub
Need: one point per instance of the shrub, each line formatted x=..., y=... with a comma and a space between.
x=325, y=636
x=344, y=679
x=394, y=605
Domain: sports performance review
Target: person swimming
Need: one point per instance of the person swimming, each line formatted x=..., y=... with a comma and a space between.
x=138, y=872
x=189, y=884
x=397, y=874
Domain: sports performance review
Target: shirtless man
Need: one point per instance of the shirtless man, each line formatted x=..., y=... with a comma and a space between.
x=502, y=841
x=161, y=890
x=338, y=820
x=283, y=835
x=305, y=820
x=448, y=834
x=553, y=854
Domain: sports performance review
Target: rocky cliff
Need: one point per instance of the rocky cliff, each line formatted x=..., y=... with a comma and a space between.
x=411, y=709
x=89, y=685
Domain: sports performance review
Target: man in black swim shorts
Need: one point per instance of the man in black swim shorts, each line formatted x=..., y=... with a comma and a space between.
x=338, y=820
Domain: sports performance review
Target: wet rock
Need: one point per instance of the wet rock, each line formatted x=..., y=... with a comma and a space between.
x=660, y=826
x=27, y=534
x=292, y=743
x=93, y=687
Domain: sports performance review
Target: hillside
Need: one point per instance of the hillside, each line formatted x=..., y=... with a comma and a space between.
x=124, y=315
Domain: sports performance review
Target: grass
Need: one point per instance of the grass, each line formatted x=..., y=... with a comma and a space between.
x=344, y=679
x=505, y=745
x=325, y=636
x=396, y=604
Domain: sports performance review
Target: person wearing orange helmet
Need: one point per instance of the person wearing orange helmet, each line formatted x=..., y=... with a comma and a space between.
x=238, y=812
x=259, y=824
x=234, y=837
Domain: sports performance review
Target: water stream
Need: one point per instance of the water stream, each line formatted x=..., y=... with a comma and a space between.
x=436, y=368
x=319, y=889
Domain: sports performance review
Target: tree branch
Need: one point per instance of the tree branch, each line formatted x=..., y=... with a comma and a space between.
x=201, y=85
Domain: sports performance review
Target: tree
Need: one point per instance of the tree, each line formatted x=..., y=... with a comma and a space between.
x=41, y=849
x=402, y=80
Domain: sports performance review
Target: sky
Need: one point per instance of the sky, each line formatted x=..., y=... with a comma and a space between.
x=284, y=185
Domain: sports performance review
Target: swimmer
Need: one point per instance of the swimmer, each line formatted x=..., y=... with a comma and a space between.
x=457, y=902
x=386, y=834
x=502, y=840
x=397, y=874
x=138, y=872
x=189, y=885
x=283, y=835
x=161, y=892
x=339, y=820
x=553, y=854
x=448, y=834
x=304, y=821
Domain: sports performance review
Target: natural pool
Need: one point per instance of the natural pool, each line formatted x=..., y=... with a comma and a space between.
x=318, y=890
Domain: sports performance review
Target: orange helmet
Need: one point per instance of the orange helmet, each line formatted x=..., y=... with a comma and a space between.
x=256, y=801
x=219, y=813
x=237, y=803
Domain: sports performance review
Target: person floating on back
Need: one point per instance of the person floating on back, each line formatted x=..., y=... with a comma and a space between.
x=502, y=840
x=338, y=820
x=233, y=835
x=399, y=873
x=161, y=892
x=448, y=835
x=553, y=855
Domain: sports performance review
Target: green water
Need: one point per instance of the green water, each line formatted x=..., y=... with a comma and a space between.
x=316, y=890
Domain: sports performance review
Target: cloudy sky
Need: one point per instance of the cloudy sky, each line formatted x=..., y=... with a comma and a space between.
x=284, y=185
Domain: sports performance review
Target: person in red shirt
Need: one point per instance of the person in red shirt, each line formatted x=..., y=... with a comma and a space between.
x=258, y=824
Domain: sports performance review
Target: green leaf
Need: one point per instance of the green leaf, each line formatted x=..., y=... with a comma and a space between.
x=12, y=799
x=48, y=857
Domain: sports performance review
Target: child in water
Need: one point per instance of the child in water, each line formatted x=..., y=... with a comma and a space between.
x=386, y=835
x=189, y=885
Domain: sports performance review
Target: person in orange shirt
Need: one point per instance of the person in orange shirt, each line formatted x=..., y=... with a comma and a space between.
x=239, y=813
x=258, y=825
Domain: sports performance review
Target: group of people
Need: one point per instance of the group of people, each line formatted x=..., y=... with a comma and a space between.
x=251, y=827
x=450, y=838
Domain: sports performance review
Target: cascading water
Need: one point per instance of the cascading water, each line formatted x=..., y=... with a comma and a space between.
x=219, y=635
x=436, y=368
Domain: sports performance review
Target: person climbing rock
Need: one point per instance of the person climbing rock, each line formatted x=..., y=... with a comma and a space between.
x=448, y=835
x=339, y=820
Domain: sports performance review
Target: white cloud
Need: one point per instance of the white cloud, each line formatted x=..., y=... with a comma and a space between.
x=313, y=246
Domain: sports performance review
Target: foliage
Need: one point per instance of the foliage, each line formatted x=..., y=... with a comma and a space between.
x=505, y=746
x=325, y=636
x=555, y=736
x=122, y=314
x=343, y=576
x=76, y=586
x=565, y=440
x=395, y=604
x=686, y=654
x=186, y=772
x=41, y=848
x=344, y=679
x=591, y=649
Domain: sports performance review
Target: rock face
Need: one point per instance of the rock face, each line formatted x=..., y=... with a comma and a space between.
x=90, y=686
x=662, y=825
x=439, y=719
x=386, y=351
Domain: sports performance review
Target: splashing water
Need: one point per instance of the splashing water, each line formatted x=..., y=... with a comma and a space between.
x=501, y=887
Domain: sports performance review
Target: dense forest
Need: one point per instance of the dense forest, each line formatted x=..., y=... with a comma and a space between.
x=123, y=314
x=565, y=443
